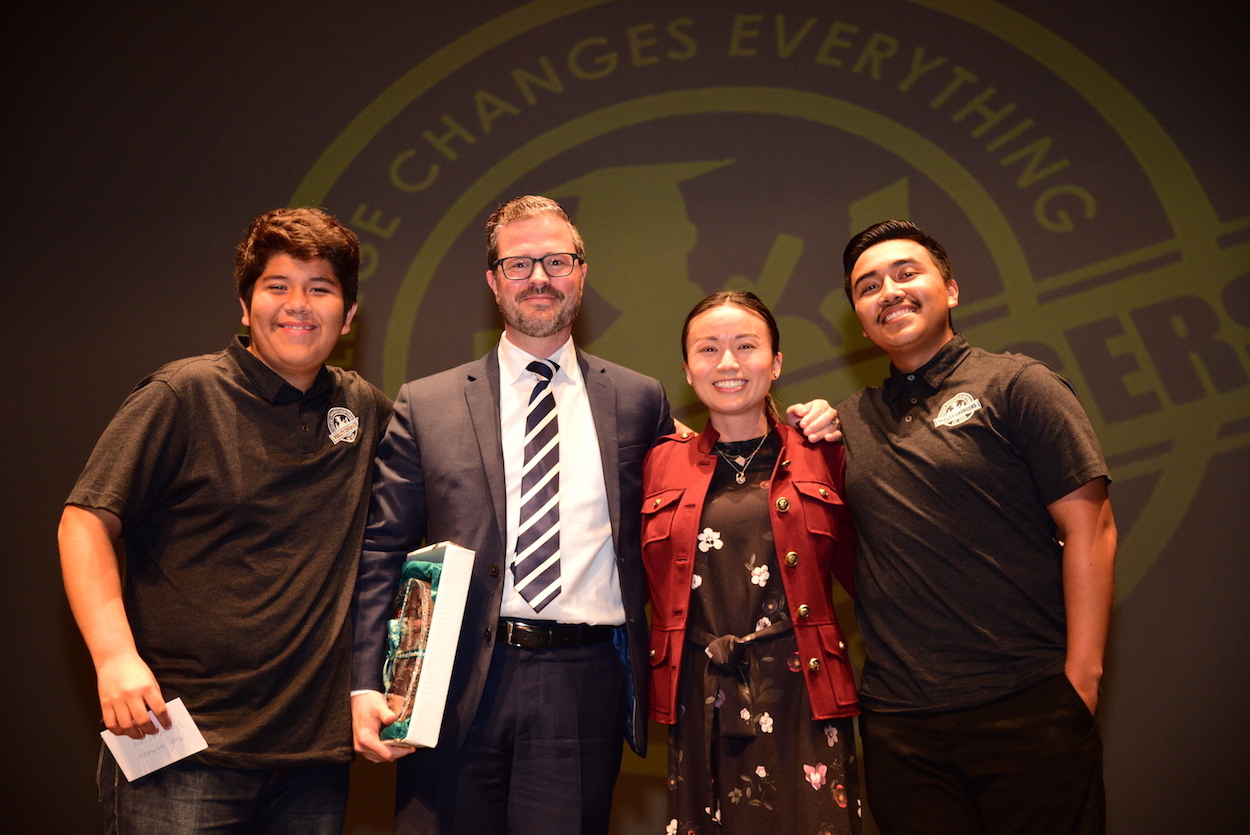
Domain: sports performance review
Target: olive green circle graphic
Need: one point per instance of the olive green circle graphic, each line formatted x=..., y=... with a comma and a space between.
x=1192, y=429
x=417, y=81
x=1170, y=444
x=941, y=168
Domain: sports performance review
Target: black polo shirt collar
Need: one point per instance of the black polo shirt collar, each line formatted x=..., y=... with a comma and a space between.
x=269, y=384
x=933, y=373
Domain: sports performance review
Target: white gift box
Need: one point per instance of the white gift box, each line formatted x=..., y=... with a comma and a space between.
x=422, y=686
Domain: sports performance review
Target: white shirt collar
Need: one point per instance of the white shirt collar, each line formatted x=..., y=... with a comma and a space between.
x=513, y=362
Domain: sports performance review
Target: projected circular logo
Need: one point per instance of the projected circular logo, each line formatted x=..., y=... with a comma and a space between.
x=700, y=148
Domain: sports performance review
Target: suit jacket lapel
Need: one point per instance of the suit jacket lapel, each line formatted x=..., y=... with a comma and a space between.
x=601, y=391
x=481, y=391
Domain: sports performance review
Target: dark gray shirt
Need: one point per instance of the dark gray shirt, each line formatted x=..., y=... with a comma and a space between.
x=959, y=578
x=243, y=505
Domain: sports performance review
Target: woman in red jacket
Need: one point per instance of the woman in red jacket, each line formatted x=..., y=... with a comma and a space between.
x=743, y=528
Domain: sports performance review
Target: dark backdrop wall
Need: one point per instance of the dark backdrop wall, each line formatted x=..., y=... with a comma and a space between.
x=1084, y=163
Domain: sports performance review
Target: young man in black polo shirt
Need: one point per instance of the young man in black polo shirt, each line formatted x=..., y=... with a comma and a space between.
x=239, y=483
x=985, y=574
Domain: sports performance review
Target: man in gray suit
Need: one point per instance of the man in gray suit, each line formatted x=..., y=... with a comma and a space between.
x=551, y=667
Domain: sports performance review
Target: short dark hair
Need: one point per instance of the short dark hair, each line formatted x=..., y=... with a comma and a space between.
x=304, y=234
x=521, y=208
x=889, y=230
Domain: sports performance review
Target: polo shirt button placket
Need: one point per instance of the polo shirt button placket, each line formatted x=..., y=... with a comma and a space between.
x=306, y=436
x=911, y=378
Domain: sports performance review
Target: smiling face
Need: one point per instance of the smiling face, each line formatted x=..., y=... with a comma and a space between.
x=902, y=301
x=538, y=311
x=296, y=316
x=731, y=364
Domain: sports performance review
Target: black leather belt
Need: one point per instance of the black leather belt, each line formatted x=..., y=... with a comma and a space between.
x=548, y=634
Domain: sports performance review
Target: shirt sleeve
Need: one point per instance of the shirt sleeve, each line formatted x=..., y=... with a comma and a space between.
x=137, y=457
x=1053, y=433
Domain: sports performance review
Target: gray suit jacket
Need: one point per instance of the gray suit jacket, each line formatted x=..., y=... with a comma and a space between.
x=440, y=476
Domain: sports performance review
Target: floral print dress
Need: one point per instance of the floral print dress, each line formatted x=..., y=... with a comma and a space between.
x=745, y=755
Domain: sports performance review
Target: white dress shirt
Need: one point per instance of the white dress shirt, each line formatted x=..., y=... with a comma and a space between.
x=590, y=590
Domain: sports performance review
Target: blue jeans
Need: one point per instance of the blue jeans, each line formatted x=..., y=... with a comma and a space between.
x=187, y=797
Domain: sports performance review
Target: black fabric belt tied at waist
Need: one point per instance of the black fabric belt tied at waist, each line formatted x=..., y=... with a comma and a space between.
x=547, y=634
x=726, y=675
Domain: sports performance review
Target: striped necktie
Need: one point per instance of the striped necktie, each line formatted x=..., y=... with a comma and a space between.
x=536, y=570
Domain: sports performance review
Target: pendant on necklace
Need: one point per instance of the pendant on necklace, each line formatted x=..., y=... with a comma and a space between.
x=741, y=478
x=740, y=461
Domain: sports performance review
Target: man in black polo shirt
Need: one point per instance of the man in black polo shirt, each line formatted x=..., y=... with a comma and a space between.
x=985, y=574
x=238, y=481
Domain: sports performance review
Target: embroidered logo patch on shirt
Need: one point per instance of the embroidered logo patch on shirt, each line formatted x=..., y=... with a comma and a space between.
x=343, y=425
x=956, y=410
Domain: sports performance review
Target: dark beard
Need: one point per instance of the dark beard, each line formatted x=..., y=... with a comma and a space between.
x=539, y=327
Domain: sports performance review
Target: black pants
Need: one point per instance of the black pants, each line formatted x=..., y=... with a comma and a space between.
x=541, y=757
x=1030, y=764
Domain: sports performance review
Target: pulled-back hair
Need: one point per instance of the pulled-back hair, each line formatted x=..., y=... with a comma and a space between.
x=305, y=235
x=733, y=298
x=751, y=303
x=521, y=208
x=889, y=230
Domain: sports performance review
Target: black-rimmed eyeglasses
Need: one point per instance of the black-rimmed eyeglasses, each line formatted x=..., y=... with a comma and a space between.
x=555, y=265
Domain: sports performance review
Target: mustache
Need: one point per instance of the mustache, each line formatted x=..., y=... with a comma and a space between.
x=540, y=292
x=887, y=310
